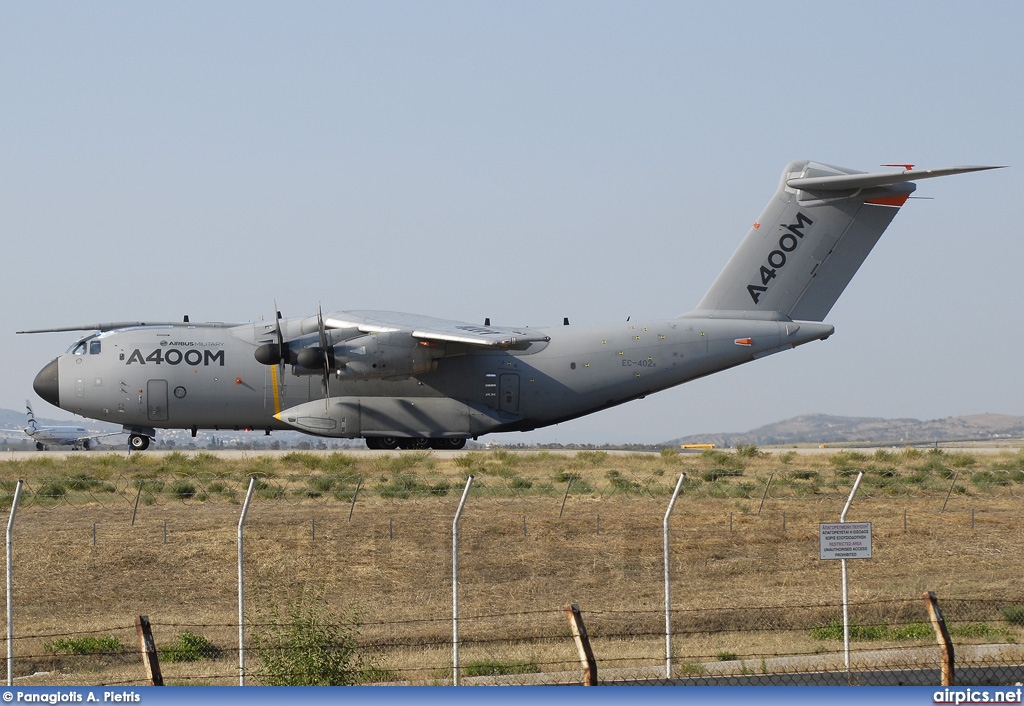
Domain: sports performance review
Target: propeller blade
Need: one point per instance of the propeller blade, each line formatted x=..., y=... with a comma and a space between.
x=326, y=355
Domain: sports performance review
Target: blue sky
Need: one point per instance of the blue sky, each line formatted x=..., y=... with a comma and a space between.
x=520, y=161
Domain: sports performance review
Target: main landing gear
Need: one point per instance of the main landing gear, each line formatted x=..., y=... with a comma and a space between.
x=379, y=443
x=138, y=442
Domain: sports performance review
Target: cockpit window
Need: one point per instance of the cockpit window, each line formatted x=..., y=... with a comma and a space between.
x=79, y=348
x=94, y=347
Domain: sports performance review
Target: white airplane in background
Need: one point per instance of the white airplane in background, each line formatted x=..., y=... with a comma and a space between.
x=75, y=437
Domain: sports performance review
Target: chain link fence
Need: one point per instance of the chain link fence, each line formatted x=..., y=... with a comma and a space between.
x=892, y=644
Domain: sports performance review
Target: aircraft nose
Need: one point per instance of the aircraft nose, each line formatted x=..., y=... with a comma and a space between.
x=47, y=384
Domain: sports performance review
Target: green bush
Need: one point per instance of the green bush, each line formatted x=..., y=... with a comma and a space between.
x=183, y=489
x=621, y=483
x=87, y=645
x=493, y=668
x=834, y=631
x=1013, y=614
x=54, y=490
x=311, y=646
x=190, y=648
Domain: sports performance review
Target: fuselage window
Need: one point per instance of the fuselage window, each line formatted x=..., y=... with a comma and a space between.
x=94, y=347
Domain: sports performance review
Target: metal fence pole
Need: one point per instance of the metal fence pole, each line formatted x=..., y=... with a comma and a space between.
x=455, y=584
x=668, y=582
x=846, y=589
x=241, y=585
x=10, y=585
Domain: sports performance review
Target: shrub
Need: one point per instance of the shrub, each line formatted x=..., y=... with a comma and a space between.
x=87, y=645
x=719, y=473
x=190, y=648
x=834, y=631
x=621, y=483
x=747, y=451
x=1013, y=614
x=311, y=647
x=979, y=631
x=54, y=490
x=183, y=489
x=493, y=668
x=399, y=486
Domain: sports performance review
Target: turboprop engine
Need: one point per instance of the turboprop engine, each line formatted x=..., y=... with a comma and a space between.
x=371, y=356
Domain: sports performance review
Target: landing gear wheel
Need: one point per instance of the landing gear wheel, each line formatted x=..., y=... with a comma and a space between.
x=448, y=444
x=137, y=442
x=381, y=443
x=414, y=443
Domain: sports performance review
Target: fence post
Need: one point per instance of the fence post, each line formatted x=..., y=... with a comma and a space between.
x=135, y=509
x=241, y=585
x=668, y=582
x=562, y=509
x=579, y=634
x=942, y=635
x=766, y=487
x=10, y=585
x=455, y=584
x=952, y=485
x=150, y=660
x=846, y=589
x=352, y=507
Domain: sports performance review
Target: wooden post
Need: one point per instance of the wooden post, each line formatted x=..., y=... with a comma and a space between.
x=138, y=495
x=942, y=635
x=352, y=507
x=579, y=634
x=150, y=660
x=766, y=487
x=562, y=509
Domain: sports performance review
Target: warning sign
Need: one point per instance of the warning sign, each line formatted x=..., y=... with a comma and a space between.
x=845, y=540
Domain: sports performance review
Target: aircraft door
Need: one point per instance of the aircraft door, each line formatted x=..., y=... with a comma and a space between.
x=508, y=393
x=156, y=400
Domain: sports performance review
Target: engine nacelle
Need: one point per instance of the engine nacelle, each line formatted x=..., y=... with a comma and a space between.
x=383, y=355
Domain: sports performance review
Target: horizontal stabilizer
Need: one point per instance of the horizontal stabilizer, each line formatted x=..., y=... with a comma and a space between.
x=843, y=182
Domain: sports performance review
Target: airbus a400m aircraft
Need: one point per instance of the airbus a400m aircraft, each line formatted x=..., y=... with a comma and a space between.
x=410, y=381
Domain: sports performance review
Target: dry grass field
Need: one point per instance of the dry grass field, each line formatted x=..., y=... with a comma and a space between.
x=747, y=583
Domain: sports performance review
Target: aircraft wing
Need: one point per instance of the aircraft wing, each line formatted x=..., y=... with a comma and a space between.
x=430, y=329
x=99, y=436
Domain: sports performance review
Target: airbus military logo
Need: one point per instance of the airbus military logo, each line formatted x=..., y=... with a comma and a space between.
x=788, y=242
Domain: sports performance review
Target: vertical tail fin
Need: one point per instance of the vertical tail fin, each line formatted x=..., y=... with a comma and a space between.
x=31, y=416
x=810, y=240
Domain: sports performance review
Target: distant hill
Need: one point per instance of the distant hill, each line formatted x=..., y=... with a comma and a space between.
x=824, y=428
